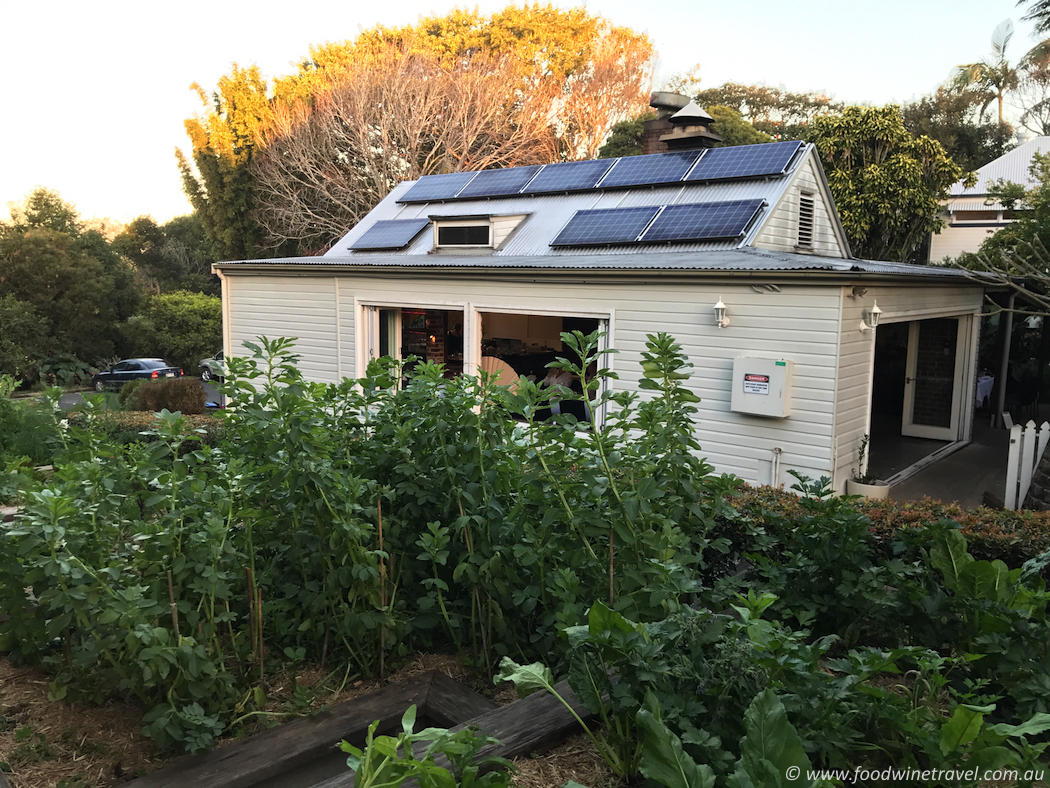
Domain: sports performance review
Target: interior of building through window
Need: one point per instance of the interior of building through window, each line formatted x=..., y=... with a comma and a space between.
x=527, y=344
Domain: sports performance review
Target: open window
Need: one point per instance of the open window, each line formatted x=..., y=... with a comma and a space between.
x=512, y=344
x=527, y=343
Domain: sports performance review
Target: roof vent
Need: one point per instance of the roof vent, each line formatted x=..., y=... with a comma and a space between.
x=805, y=220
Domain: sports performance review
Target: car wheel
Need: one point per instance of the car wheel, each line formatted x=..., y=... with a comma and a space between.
x=100, y=386
x=205, y=374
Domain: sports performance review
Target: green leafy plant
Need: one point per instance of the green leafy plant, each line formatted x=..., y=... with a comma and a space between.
x=390, y=761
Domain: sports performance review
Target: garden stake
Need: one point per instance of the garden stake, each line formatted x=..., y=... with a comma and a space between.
x=382, y=591
x=251, y=605
x=324, y=648
x=258, y=611
x=611, y=567
x=174, y=609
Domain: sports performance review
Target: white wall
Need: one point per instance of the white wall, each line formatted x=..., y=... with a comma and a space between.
x=801, y=323
x=953, y=240
x=289, y=306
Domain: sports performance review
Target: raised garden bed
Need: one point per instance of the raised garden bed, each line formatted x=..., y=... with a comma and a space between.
x=305, y=754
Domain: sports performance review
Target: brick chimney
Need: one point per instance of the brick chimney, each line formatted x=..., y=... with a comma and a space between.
x=680, y=124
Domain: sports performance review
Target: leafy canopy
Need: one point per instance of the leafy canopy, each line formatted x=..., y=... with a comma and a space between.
x=886, y=183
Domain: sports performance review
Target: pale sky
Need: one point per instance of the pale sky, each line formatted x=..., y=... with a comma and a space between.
x=98, y=91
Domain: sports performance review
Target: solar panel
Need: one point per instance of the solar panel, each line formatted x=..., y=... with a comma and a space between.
x=569, y=176
x=390, y=234
x=703, y=221
x=498, y=183
x=745, y=161
x=650, y=170
x=605, y=226
x=437, y=187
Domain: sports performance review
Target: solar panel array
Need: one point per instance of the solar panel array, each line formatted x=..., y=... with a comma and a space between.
x=703, y=221
x=498, y=183
x=390, y=234
x=569, y=176
x=650, y=170
x=732, y=163
x=604, y=227
x=432, y=188
x=693, y=222
x=745, y=161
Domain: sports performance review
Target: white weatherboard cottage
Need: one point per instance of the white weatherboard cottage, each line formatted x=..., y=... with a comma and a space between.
x=486, y=269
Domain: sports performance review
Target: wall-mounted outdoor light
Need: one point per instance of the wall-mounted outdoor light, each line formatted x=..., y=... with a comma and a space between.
x=720, y=314
x=869, y=320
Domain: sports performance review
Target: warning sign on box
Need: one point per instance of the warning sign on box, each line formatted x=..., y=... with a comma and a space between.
x=756, y=384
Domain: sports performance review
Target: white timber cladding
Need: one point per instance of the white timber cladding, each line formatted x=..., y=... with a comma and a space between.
x=780, y=231
x=857, y=353
x=800, y=323
x=503, y=226
x=303, y=307
x=953, y=240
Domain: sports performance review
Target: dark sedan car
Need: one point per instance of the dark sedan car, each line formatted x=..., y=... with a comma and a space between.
x=132, y=369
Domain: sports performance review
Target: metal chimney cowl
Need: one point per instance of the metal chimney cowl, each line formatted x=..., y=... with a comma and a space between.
x=680, y=124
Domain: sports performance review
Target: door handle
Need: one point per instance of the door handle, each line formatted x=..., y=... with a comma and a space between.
x=907, y=380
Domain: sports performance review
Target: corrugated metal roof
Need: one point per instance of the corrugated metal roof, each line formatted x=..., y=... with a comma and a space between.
x=1012, y=166
x=714, y=261
x=973, y=204
x=549, y=213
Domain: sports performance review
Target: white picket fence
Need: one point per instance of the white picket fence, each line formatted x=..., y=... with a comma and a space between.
x=1027, y=445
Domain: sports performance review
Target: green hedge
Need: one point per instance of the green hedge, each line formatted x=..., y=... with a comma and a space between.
x=1013, y=537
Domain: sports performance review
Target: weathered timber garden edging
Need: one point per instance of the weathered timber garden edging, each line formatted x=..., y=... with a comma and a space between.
x=296, y=744
x=532, y=724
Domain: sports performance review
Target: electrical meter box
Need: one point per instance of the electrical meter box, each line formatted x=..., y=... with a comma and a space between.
x=762, y=386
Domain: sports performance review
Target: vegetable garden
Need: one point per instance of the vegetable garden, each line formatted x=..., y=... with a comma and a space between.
x=357, y=524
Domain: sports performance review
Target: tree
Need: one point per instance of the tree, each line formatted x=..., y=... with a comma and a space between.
x=44, y=208
x=950, y=116
x=1038, y=13
x=23, y=337
x=218, y=183
x=733, y=129
x=780, y=114
x=625, y=138
x=323, y=167
x=181, y=327
x=1019, y=243
x=886, y=183
x=607, y=89
x=70, y=277
x=992, y=78
x=462, y=92
x=48, y=271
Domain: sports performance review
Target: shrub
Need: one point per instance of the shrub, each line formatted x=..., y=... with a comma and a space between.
x=185, y=395
x=128, y=390
x=27, y=427
x=1013, y=537
x=129, y=426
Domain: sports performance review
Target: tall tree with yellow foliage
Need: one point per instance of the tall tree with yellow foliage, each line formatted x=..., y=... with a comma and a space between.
x=298, y=165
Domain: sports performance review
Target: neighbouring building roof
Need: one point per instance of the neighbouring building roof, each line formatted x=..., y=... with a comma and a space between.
x=1013, y=166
